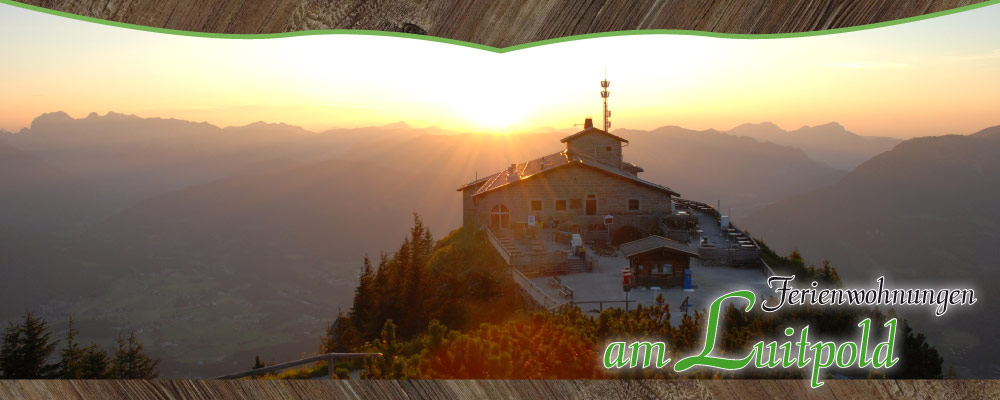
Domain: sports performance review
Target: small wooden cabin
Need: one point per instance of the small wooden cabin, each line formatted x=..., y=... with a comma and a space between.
x=658, y=261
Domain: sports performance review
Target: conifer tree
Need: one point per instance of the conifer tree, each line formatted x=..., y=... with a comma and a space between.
x=919, y=359
x=391, y=363
x=363, y=310
x=421, y=246
x=9, y=363
x=95, y=363
x=26, y=348
x=130, y=362
x=71, y=356
x=341, y=336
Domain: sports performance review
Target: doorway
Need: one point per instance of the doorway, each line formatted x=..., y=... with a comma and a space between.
x=591, y=205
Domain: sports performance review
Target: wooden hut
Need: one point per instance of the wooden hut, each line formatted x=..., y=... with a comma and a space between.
x=658, y=261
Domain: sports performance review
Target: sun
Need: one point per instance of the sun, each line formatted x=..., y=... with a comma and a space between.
x=496, y=112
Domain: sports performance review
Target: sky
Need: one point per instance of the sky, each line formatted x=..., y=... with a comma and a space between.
x=930, y=77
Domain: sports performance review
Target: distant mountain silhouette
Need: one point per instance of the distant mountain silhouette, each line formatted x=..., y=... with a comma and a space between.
x=711, y=166
x=265, y=218
x=335, y=209
x=35, y=196
x=129, y=159
x=829, y=143
x=926, y=212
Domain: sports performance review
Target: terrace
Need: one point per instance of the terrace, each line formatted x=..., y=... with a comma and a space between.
x=730, y=260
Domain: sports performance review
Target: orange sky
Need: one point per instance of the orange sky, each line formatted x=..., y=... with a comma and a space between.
x=930, y=77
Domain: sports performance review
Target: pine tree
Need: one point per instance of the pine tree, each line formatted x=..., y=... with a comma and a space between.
x=26, y=348
x=363, y=309
x=919, y=359
x=826, y=273
x=420, y=249
x=391, y=363
x=341, y=336
x=95, y=363
x=9, y=352
x=795, y=256
x=71, y=356
x=383, y=297
x=130, y=362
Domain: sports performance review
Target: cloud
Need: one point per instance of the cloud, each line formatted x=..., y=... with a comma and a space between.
x=853, y=64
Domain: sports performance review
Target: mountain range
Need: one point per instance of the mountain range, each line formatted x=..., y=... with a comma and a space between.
x=828, y=143
x=202, y=238
x=924, y=215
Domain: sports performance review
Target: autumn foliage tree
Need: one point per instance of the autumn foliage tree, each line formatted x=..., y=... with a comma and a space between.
x=535, y=347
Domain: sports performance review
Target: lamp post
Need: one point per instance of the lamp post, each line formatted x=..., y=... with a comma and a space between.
x=627, y=283
x=608, y=221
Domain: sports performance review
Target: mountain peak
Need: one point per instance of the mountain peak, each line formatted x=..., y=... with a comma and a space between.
x=397, y=125
x=827, y=127
x=57, y=117
x=765, y=124
x=993, y=131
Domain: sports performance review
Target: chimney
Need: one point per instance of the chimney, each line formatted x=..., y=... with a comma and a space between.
x=512, y=175
x=588, y=123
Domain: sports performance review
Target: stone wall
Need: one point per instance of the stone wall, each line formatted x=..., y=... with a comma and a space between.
x=601, y=147
x=575, y=182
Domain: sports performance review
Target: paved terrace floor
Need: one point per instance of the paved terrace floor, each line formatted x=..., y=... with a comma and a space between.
x=710, y=282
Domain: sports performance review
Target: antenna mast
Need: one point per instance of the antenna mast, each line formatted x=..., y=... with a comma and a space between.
x=604, y=95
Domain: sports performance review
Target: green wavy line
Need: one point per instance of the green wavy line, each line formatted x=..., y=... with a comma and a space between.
x=499, y=50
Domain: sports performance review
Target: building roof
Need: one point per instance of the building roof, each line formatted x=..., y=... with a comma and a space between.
x=551, y=162
x=654, y=242
x=475, y=182
x=591, y=130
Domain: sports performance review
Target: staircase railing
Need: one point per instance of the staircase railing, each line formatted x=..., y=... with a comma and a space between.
x=328, y=357
x=497, y=245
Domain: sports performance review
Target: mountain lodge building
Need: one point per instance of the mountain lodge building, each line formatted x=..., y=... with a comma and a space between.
x=554, y=215
x=574, y=190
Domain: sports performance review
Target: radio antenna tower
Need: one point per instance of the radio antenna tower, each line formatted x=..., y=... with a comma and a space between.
x=604, y=95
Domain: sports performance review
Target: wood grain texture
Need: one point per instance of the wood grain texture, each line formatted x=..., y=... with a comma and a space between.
x=469, y=389
x=500, y=23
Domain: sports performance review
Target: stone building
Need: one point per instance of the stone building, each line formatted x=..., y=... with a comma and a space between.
x=574, y=191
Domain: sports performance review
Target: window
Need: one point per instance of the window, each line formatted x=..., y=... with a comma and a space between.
x=575, y=204
x=633, y=204
x=560, y=205
x=536, y=205
x=500, y=216
x=663, y=269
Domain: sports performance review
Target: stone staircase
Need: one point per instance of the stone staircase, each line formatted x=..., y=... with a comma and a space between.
x=577, y=265
x=507, y=241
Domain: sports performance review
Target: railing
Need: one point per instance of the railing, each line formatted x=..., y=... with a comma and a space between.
x=601, y=303
x=328, y=357
x=497, y=245
x=729, y=257
x=766, y=269
x=540, y=296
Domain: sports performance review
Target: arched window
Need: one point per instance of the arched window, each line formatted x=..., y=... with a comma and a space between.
x=500, y=216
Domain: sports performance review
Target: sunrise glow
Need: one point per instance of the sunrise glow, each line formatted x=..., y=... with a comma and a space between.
x=874, y=82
